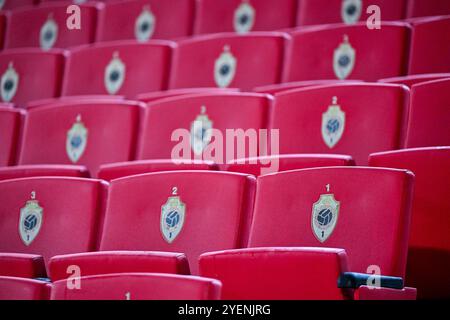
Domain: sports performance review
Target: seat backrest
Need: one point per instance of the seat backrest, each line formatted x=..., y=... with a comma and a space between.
x=139, y=286
x=10, y=127
x=353, y=119
x=30, y=74
x=338, y=207
x=228, y=60
x=50, y=222
x=45, y=27
x=16, y=172
x=14, y=4
x=277, y=273
x=277, y=88
x=243, y=16
x=75, y=133
x=423, y=8
x=347, y=52
x=12, y=288
x=120, y=68
x=409, y=81
x=429, y=115
x=176, y=212
x=146, y=19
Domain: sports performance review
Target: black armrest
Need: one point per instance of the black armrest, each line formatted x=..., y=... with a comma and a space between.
x=353, y=280
x=43, y=279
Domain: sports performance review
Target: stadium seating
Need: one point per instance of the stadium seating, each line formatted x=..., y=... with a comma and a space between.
x=177, y=212
x=10, y=125
x=96, y=263
x=17, y=172
x=429, y=245
x=45, y=102
x=14, y=4
x=146, y=19
x=22, y=265
x=422, y=8
x=139, y=286
x=277, y=88
x=229, y=60
x=12, y=288
x=430, y=45
x=197, y=114
x=75, y=133
x=50, y=222
x=243, y=16
x=113, y=171
x=2, y=29
x=159, y=95
x=30, y=74
x=347, y=52
x=124, y=68
x=429, y=115
x=352, y=119
x=338, y=207
x=45, y=27
x=415, y=79
x=288, y=274
x=277, y=163
x=313, y=12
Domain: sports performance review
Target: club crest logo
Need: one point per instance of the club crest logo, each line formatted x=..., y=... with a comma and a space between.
x=30, y=221
x=325, y=213
x=145, y=25
x=172, y=217
x=9, y=83
x=333, y=124
x=49, y=34
x=344, y=59
x=76, y=140
x=201, y=132
x=114, y=74
x=244, y=17
x=351, y=11
x=225, y=68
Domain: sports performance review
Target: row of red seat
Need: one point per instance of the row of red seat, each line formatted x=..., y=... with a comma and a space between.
x=194, y=212
x=351, y=118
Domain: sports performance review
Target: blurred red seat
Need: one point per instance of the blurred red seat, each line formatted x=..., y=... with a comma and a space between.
x=12, y=288
x=16, y=172
x=22, y=265
x=10, y=128
x=422, y=8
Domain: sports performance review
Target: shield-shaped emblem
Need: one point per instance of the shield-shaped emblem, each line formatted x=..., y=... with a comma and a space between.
x=172, y=218
x=325, y=213
x=49, y=34
x=30, y=221
x=351, y=11
x=76, y=140
x=201, y=132
x=333, y=124
x=145, y=25
x=9, y=83
x=244, y=17
x=344, y=59
x=225, y=68
x=114, y=74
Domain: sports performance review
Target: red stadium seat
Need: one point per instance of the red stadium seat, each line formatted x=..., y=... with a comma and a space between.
x=429, y=115
x=125, y=68
x=287, y=274
x=242, y=16
x=197, y=114
x=430, y=45
x=228, y=60
x=10, y=126
x=174, y=212
x=146, y=19
x=409, y=81
x=353, y=119
x=429, y=244
x=277, y=88
x=22, y=265
x=96, y=263
x=159, y=95
x=113, y=171
x=46, y=27
x=338, y=207
x=265, y=165
x=75, y=133
x=348, y=52
x=423, y=8
x=55, y=215
x=12, y=288
x=14, y=4
x=30, y=74
x=15, y=172
x=313, y=12
x=139, y=286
